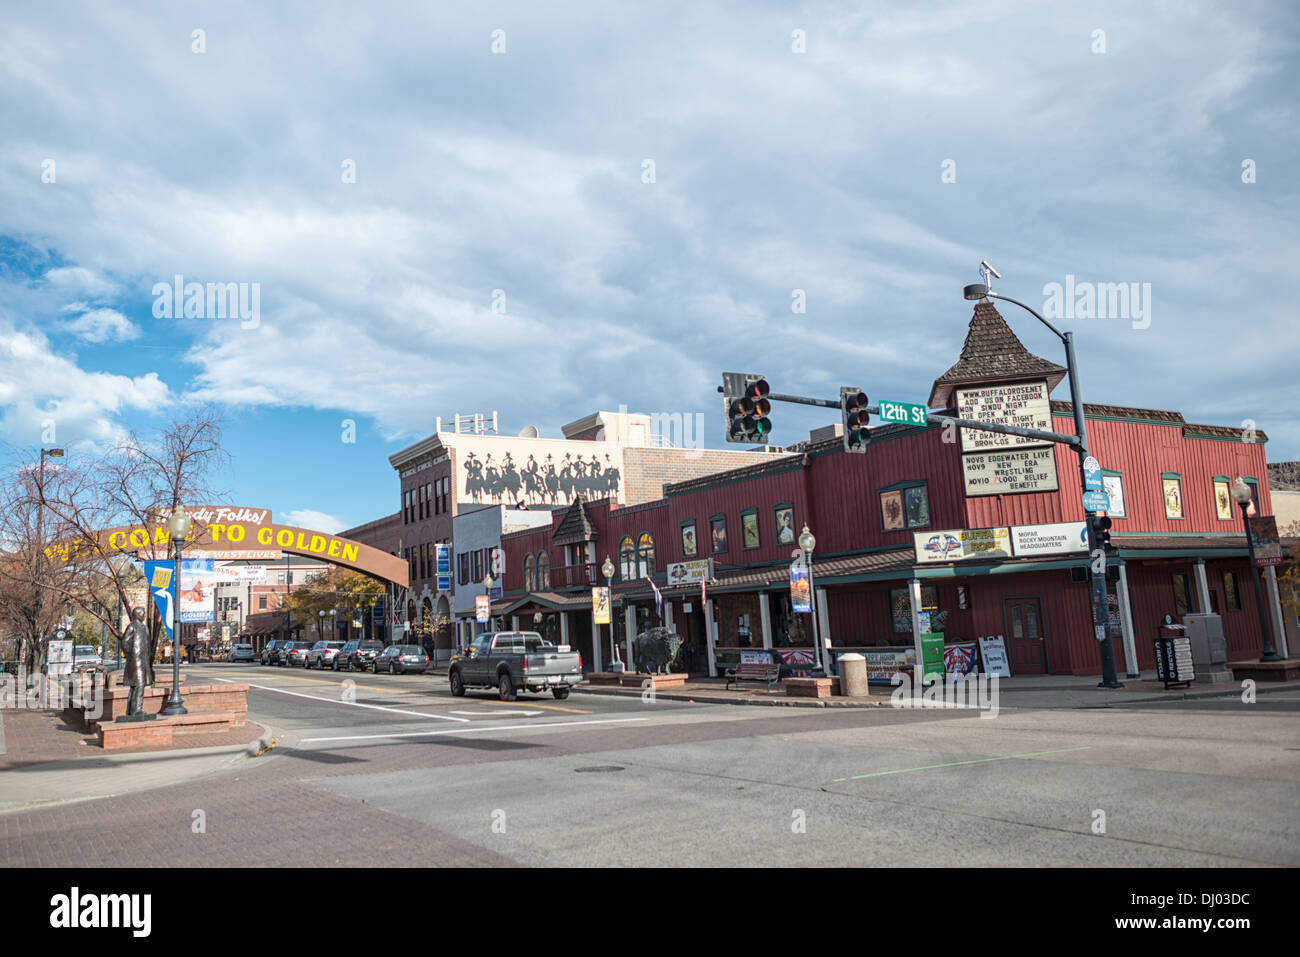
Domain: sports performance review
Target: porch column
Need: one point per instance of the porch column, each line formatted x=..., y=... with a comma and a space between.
x=1126, y=623
x=1275, y=605
x=1202, y=588
x=668, y=614
x=514, y=622
x=914, y=599
x=595, y=644
x=564, y=627
x=765, y=616
x=629, y=623
x=824, y=629
x=708, y=637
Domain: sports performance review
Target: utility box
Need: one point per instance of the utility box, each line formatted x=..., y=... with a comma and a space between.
x=1209, y=648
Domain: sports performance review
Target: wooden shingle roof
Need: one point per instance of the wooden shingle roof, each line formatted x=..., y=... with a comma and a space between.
x=576, y=525
x=992, y=353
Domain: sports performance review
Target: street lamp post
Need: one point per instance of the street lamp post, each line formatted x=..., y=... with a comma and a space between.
x=178, y=526
x=1241, y=494
x=607, y=569
x=806, y=544
x=40, y=528
x=1100, y=610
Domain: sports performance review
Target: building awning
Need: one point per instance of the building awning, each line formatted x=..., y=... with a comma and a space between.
x=545, y=599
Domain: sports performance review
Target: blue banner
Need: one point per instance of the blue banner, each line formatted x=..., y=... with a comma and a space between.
x=159, y=577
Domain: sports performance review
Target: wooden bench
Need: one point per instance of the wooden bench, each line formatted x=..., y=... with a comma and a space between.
x=768, y=672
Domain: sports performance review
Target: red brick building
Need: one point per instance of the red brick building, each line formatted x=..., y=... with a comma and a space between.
x=888, y=519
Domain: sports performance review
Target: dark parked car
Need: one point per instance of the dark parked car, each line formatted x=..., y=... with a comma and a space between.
x=357, y=655
x=294, y=653
x=241, y=653
x=271, y=653
x=322, y=653
x=399, y=659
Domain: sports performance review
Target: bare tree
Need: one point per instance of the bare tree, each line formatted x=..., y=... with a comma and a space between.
x=138, y=483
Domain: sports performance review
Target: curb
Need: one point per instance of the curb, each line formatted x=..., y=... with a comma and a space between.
x=884, y=699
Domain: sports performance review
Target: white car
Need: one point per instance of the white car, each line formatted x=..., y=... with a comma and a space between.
x=85, y=656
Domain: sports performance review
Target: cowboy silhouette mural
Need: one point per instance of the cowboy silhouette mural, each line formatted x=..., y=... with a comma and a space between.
x=554, y=483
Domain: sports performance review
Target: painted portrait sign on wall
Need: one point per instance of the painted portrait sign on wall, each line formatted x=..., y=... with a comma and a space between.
x=1223, y=501
x=785, y=534
x=1173, y=494
x=749, y=529
x=690, y=548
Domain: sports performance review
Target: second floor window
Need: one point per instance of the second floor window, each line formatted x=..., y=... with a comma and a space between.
x=627, y=558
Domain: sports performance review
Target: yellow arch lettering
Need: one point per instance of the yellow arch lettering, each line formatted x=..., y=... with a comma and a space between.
x=350, y=552
x=113, y=540
x=139, y=537
x=264, y=536
x=334, y=547
x=284, y=538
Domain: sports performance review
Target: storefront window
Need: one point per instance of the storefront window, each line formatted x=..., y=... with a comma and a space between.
x=627, y=558
x=645, y=555
x=1182, y=594
x=900, y=607
x=1232, y=594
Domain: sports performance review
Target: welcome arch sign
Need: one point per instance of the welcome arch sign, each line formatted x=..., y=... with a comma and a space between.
x=239, y=534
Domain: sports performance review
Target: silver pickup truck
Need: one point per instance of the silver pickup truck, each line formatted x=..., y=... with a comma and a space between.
x=515, y=661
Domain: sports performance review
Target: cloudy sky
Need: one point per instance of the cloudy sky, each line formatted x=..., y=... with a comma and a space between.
x=610, y=204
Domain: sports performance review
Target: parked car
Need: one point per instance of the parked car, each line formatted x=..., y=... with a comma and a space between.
x=241, y=653
x=322, y=654
x=399, y=659
x=85, y=656
x=271, y=653
x=514, y=661
x=294, y=653
x=357, y=655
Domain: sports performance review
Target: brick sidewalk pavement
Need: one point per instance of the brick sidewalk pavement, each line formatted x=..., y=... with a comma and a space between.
x=34, y=737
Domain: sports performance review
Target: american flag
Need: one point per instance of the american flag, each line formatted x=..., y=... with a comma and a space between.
x=659, y=598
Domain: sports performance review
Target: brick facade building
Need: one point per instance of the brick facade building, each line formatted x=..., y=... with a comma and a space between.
x=987, y=540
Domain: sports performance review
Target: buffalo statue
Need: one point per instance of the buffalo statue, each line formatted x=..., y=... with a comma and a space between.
x=655, y=650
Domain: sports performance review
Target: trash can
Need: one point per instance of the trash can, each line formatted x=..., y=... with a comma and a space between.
x=853, y=676
x=1174, y=665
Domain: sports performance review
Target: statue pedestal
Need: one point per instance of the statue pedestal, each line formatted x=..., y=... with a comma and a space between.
x=136, y=717
x=631, y=679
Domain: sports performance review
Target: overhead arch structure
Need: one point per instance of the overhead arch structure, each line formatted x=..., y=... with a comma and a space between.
x=244, y=534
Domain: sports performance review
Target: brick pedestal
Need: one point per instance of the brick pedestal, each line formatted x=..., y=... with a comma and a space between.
x=160, y=732
x=810, y=687
x=1285, y=670
x=199, y=699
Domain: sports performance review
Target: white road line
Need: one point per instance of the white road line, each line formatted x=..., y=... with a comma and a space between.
x=354, y=704
x=499, y=714
x=497, y=727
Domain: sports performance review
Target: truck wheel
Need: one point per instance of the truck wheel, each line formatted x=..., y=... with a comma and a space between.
x=506, y=688
x=560, y=693
x=457, y=684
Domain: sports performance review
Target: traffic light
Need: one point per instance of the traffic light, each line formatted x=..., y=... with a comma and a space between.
x=1100, y=524
x=747, y=407
x=854, y=415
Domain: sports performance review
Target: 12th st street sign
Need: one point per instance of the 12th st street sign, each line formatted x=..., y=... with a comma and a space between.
x=906, y=413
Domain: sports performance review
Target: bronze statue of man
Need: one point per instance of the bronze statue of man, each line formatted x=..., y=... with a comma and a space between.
x=138, y=675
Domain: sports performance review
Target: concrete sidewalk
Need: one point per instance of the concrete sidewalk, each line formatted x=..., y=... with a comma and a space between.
x=1026, y=691
x=45, y=762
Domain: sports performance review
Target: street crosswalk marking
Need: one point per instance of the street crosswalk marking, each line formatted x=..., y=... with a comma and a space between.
x=356, y=704
x=481, y=727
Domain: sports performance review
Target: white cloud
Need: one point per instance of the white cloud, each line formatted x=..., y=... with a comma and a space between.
x=102, y=325
x=40, y=390
x=317, y=521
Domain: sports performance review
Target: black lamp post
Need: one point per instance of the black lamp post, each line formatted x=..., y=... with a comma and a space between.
x=178, y=526
x=1100, y=611
x=1241, y=495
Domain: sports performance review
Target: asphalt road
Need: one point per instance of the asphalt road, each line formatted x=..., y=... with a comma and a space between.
x=395, y=771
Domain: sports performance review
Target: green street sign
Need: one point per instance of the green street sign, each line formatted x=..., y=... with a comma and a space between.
x=908, y=413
